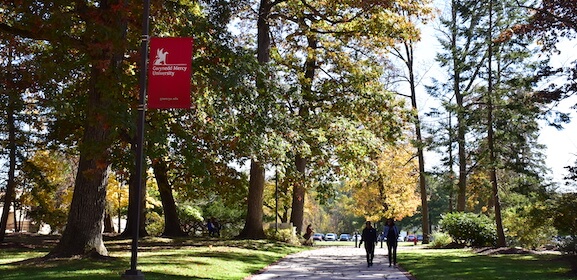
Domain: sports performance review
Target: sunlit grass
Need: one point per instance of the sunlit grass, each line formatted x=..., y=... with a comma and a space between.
x=454, y=264
x=157, y=259
x=16, y=255
x=163, y=258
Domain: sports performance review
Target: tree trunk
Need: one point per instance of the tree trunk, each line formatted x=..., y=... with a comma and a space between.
x=10, y=184
x=451, y=166
x=253, y=228
x=299, y=189
x=299, y=193
x=409, y=61
x=83, y=233
x=132, y=203
x=171, y=222
x=108, y=227
x=461, y=125
x=490, y=138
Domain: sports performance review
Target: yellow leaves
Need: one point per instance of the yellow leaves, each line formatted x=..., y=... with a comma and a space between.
x=116, y=194
x=391, y=191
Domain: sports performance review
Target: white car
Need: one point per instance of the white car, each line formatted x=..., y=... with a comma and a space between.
x=330, y=237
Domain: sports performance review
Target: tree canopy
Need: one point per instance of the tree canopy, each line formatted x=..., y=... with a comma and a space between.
x=298, y=87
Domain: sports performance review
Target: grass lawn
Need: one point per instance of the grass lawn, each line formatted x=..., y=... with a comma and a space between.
x=158, y=258
x=457, y=264
x=192, y=258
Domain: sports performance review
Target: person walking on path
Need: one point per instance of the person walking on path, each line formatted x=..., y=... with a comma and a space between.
x=329, y=263
x=369, y=237
x=391, y=232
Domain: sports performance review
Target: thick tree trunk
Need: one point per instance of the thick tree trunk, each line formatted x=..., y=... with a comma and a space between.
x=171, y=221
x=299, y=193
x=83, y=233
x=253, y=228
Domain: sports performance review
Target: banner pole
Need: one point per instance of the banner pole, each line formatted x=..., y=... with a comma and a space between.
x=133, y=273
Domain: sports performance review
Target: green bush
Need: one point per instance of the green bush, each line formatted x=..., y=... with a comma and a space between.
x=154, y=223
x=191, y=219
x=565, y=213
x=440, y=239
x=283, y=235
x=528, y=226
x=469, y=229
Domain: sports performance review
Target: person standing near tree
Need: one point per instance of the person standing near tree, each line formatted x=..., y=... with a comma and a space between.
x=308, y=236
x=391, y=232
x=369, y=237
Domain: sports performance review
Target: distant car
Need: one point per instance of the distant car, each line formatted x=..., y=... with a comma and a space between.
x=345, y=237
x=420, y=237
x=318, y=236
x=411, y=238
x=330, y=237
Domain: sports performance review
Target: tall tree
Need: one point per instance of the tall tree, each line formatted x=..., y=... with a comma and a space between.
x=253, y=227
x=12, y=90
x=329, y=50
x=92, y=37
x=512, y=71
x=407, y=56
x=503, y=75
x=464, y=55
x=490, y=134
x=21, y=119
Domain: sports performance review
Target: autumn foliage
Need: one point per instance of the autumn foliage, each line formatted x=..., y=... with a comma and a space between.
x=391, y=190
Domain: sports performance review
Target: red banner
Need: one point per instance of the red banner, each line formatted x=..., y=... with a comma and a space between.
x=169, y=64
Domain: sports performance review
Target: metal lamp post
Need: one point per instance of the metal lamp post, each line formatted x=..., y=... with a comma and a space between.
x=133, y=273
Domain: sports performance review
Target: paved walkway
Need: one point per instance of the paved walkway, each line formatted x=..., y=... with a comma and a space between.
x=336, y=262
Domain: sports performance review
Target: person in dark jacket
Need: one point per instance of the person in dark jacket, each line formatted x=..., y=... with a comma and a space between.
x=369, y=237
x=391, y=232
x=308, y=236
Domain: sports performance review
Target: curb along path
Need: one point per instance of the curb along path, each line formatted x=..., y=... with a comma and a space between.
x=335, y=262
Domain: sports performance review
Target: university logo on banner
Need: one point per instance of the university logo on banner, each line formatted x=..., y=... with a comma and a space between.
x=169, y=66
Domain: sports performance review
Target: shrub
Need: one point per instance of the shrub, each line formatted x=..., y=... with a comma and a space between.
x=154, y=223
x=440, y=240
x=565, y=213
x=528, y=226
x=191, y=219
x=283, y=235
x=469, y=229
